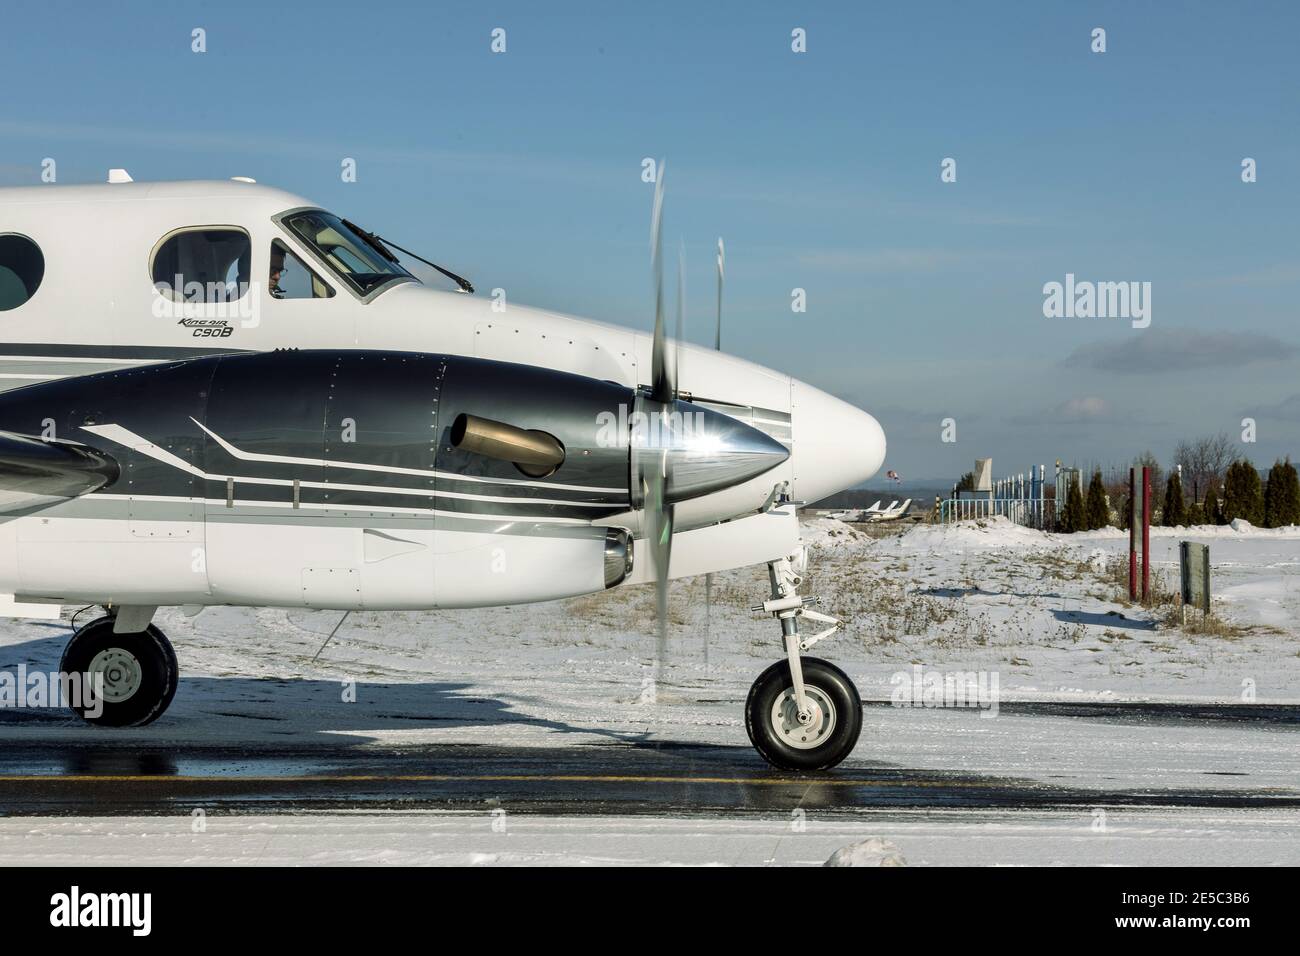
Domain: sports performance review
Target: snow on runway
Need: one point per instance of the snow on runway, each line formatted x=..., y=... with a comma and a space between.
x=961, y=838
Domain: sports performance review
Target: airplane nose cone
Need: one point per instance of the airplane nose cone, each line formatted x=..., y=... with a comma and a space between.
x=701, y=450
x=836, y=445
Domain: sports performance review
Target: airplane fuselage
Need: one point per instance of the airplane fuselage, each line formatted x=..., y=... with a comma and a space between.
x=100, y=307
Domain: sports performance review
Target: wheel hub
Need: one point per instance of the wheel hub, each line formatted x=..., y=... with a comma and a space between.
x=121, y=673
x=803, y=731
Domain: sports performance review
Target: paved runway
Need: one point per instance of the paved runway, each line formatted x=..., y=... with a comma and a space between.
x=100, y=773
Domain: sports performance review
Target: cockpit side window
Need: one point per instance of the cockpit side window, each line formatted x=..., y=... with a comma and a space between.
x=291, y=279
x=205, y=264
x=344, y=251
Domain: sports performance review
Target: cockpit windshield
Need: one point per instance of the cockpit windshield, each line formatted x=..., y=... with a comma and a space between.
x=351, y=256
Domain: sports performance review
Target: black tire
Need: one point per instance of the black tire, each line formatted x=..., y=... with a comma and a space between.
x=154, y=659
x=822, y=678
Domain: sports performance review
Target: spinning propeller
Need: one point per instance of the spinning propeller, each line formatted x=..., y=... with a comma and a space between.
x=655, y=462
x=679, y=449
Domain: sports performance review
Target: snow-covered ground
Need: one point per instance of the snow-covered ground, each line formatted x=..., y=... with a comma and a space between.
x=1044, y=613
x=942, y=837
x=1047, y=612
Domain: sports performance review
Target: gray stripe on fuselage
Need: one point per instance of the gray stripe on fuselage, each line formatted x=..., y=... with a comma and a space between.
x=506, y=526
x=23, y=363
x=193, y=511
x=53, y=368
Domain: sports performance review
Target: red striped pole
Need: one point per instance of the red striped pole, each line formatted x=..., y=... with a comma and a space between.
x=1133, y=512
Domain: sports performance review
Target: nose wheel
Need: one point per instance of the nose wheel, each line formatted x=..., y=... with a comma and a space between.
x=818, y=737
x=802, y=713
x=127, y=680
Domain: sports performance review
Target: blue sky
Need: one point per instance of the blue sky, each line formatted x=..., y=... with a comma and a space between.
x=821, y=170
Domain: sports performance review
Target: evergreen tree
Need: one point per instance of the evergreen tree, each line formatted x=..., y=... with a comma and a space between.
x=1242, y=497
x=1254, y=494
x=1195, y=514
x=1281, y=494
x=1098, y=512
x=1272, y=492
x=1289, y=511
x=1073, y=518
x=1230, y=506
x=1174, y=513
x=1213, y=513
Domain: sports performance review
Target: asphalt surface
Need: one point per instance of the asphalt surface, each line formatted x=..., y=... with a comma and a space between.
x=105, y=775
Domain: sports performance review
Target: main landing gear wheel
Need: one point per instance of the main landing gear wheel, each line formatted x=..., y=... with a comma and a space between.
x=829, y=729
x=139, y=673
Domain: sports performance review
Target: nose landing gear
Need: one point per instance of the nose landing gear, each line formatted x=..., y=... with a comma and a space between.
x=802, y=713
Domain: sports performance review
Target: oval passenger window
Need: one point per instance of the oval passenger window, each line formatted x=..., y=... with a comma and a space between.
x=22, y=267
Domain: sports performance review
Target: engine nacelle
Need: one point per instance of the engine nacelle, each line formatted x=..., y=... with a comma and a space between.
x=335, y=480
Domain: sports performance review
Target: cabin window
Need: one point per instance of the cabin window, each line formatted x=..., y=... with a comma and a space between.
x=22, y=266
x=203, y=265
x=291, y=279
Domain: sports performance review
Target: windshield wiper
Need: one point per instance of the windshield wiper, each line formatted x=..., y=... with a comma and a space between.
x=380, y=245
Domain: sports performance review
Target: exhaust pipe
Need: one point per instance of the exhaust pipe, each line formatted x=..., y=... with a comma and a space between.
x=535, y=453
x=618, y=556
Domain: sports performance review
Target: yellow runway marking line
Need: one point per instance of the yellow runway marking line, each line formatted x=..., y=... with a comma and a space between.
x=479, y=778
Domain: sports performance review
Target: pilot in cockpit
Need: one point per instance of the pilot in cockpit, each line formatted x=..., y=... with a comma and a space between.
x=277, y=270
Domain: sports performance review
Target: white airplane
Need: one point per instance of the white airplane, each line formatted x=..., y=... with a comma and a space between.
x=854, y=514
x=218, y=393
x=892, y=513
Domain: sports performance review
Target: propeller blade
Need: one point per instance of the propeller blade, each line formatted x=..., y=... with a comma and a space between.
x=654, y=468
x=659, y=536
x=663, y=376
x=708, y=578
x=722, y=260
x=681, y=317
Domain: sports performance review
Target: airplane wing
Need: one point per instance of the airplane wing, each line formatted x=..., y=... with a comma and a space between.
x=36, y=473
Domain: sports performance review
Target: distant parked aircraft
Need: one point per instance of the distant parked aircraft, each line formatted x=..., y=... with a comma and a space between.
x=875, y=513
x=892, y=513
